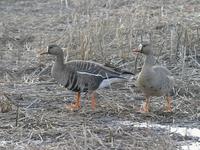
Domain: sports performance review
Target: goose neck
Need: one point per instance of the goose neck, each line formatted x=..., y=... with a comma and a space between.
x=60, y=60
x=149, y=60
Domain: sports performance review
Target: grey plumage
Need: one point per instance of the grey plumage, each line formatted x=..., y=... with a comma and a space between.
x=154, y=80
x=82, y=76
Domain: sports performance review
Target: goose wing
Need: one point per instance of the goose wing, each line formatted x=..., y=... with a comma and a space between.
x=161, y=70
x=95, y=69
x=86, y=75
x=165, y=80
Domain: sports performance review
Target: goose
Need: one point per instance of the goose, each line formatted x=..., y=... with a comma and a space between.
x=153, y=80
x=82, y=76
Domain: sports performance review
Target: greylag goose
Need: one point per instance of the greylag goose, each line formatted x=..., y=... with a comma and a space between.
x=153, y=80
x=82, y=76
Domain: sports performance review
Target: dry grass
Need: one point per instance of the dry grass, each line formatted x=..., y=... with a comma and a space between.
x=106, y=32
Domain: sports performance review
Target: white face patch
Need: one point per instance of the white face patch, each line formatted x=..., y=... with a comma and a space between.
x=140, y=47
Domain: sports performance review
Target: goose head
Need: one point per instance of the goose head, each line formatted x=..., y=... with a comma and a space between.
x=144, y=49
x=53, y=50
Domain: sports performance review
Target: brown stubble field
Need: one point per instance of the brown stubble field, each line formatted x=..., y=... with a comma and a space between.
x=32, y=104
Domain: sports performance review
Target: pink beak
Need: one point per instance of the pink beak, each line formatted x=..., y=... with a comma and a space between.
x=136, y=50
x=44, y=53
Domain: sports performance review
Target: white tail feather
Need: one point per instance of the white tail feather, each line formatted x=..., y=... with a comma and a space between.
x=108, y=82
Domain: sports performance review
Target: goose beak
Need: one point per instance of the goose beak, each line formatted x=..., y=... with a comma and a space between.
x=44, y=53
x=137, y=50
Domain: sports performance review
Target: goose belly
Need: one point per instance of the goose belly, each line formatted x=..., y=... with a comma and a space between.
x=151, y=91
x=149, y=87
x=82, y=82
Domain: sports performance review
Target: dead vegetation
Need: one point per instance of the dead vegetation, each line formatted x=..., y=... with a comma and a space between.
x=106, y=32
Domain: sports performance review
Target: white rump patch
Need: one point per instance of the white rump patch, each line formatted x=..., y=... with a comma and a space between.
x=108, y=82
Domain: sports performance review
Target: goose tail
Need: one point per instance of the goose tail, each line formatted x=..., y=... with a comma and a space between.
x=114, y=79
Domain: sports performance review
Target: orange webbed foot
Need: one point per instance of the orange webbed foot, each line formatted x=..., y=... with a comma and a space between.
x=143, y=110
x=169, y=104
x=75, y=106
x=93, y=102
x=72, y=107
x=145, y=107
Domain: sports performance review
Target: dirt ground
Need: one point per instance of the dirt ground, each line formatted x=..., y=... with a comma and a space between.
x=33, y=115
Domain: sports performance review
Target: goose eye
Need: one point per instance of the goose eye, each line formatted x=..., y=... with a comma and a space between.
x=144, y=45
x=50, y=47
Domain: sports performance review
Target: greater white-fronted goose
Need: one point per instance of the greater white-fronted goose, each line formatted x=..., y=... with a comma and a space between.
x=82, y=76
x=154, y=80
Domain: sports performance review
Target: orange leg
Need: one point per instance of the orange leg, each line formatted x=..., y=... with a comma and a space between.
x=145, y=107
x=93, y=103
x=169, y=104
x=77, y=104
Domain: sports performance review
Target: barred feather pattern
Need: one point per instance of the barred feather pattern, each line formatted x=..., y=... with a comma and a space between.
x=83, y=76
